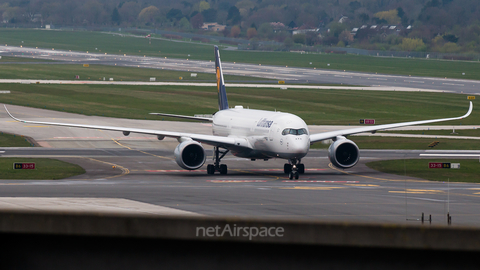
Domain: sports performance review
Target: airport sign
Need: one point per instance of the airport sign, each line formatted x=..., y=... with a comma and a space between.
x=23, y=166
x=471, y=97
x=367, y=121
x=440, y=165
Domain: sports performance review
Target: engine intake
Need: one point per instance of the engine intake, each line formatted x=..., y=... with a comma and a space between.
x=343, y=153
x=190, y=155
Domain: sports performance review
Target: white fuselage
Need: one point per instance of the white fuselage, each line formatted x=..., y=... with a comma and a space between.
x=263, y=134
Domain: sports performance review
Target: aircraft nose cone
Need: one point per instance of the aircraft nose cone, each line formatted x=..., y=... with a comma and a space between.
x=300, y=146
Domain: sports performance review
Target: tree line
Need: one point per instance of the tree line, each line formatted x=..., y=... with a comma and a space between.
x=433, y=25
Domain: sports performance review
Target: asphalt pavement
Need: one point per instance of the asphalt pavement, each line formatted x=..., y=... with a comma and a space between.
x=142, y=171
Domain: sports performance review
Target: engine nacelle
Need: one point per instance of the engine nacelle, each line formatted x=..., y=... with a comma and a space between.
x=190, y=155
x=343, y=153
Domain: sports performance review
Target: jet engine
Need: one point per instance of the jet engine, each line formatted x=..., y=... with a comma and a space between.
x=190, y=155
x=343, y=153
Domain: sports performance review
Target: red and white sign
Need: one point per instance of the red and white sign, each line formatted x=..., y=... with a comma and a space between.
x=28, y=166
x=435, y=165
x=438, y=165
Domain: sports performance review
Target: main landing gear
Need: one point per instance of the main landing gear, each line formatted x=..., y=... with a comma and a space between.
x=294, y=168
x=217, y=167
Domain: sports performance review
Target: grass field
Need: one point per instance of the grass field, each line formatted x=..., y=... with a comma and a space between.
x=98, y=72
x=319, y=107
x=10, y=140
x=9, y=59
x=97, y=42
x=446, y=132
x=469, y=169
x=109, y=43
x=46, y=169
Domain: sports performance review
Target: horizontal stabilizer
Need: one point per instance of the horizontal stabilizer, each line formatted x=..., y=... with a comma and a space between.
x=197, y=118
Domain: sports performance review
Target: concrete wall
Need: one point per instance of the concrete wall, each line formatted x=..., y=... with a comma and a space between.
x=93, y=241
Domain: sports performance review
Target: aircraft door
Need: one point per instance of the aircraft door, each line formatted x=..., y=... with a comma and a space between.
x=271, y=133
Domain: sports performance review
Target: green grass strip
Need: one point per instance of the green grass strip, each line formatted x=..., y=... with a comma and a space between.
x=65, y=71
x=46, y=169
x=469, y=169
x=444, y=132
x=11, y=140
x=115, y=44
x=316, y=107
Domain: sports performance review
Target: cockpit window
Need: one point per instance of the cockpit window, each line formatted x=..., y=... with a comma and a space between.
x=301, y=131
x=293, y=131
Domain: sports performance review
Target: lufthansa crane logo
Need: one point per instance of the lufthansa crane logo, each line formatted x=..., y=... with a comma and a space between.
x=218, y=79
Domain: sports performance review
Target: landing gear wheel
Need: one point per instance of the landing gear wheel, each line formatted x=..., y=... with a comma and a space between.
x=287, y=168
x=210, y=169
x=294, y=168
x=301, y=168
x=217, y=167
x=223, y=169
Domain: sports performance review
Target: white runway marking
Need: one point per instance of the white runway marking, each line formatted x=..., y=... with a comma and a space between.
x=414, y=81
x=89, y=205
x=453, y=84
x=450, y=155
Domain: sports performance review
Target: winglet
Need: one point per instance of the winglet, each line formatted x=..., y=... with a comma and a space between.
x=16, y=119
x=222, y=93
x=469, y=110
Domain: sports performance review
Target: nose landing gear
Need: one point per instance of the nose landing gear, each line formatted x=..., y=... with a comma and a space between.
x=294, y=168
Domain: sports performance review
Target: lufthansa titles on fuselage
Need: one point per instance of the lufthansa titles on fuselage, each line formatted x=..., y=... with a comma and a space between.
x=265, y=123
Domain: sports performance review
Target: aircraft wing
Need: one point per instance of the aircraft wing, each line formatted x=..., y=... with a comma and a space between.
x=207, y=139
x=332, y=134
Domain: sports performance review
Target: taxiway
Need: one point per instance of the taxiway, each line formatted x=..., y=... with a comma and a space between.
x=142, y=169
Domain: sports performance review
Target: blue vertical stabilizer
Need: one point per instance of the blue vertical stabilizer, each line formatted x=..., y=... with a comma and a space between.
x=222, y=94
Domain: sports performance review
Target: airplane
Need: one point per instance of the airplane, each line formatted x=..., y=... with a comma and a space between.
x=254, y=134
